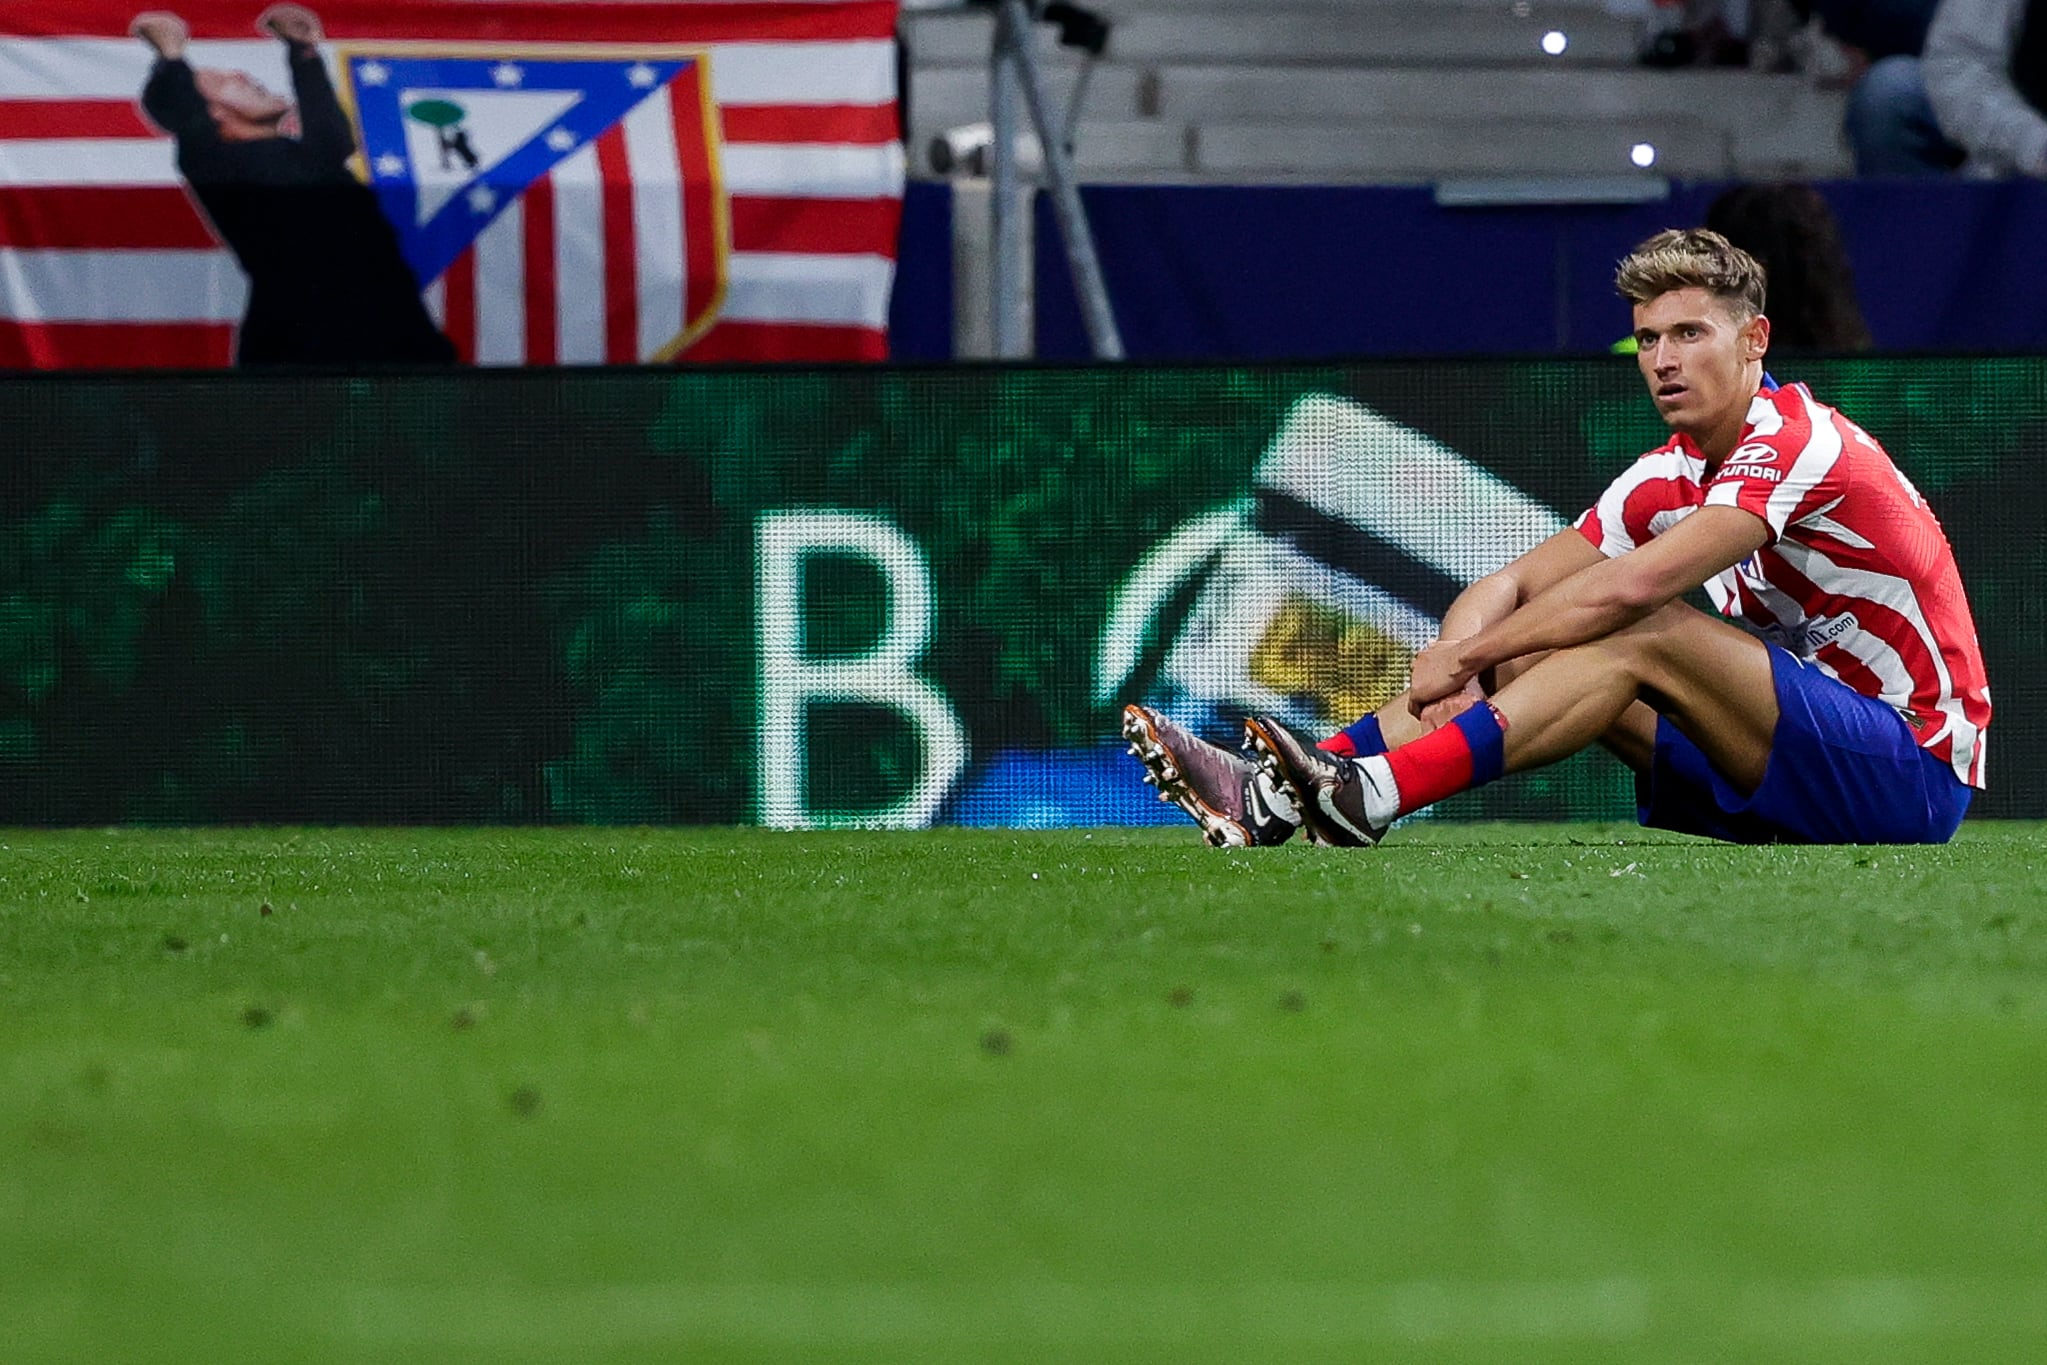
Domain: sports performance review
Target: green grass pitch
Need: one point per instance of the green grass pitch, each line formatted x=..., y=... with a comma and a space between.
x=1488, y=1093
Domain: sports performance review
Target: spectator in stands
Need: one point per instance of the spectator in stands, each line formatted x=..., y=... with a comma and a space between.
x=1697, y=33
x=1986, y=72
x=327, y=283
x=1792, y=233
x=1889, y=122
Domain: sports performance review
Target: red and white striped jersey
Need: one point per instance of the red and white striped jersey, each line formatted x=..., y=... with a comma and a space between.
x=1857, y=578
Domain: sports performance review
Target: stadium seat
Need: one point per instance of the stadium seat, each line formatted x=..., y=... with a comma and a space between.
x=1409, y=92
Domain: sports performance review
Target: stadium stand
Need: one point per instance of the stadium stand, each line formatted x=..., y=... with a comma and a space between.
x=1335, y=92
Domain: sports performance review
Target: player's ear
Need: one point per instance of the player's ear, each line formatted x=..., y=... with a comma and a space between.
x=1756, y=337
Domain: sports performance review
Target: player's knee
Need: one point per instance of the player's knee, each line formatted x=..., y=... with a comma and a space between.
x=1678, y=649
x=1657, y=641
x=1634, y=653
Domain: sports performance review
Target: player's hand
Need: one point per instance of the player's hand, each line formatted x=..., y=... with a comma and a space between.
x=1440, y=713
x=163, y=31
x=295, y=24
x=1439, y=673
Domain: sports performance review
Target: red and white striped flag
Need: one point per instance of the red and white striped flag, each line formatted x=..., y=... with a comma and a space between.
x=633, y=181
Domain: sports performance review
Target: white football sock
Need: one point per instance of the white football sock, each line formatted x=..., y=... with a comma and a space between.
x=1381, y=792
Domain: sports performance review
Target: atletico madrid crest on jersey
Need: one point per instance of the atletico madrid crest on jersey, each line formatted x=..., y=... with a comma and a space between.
x=544, y=193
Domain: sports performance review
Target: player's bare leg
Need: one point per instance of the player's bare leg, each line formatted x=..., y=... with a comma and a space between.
x=1631, y=738
x=1397, y=724
x=1712, y=680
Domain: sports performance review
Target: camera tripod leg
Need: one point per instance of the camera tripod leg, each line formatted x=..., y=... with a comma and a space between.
x=1009, y=281
x=1016, y=73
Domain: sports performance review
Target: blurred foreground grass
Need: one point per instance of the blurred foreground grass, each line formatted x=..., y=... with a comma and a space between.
x=1501, y=1093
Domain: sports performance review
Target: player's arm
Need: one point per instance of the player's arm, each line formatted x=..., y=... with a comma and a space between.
x=323, y=128
x=1597, y=599
x=1495, y=597
x=170, y=97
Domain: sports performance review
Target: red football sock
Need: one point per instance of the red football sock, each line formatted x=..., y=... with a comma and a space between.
x=1465, y=753
x=1360, y=739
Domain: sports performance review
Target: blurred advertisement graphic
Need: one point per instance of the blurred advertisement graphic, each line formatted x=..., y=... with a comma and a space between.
x=1306, y=600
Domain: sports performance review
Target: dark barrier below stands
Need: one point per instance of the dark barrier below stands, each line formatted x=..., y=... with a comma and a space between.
x=852, y=596
x=1319, y=273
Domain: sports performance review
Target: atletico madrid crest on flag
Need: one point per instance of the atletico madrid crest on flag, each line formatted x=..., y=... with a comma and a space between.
x=543, y=192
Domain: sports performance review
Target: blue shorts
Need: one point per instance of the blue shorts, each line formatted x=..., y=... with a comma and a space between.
x=1843, y=769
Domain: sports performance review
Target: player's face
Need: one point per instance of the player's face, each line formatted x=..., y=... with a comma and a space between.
x=1699, y=357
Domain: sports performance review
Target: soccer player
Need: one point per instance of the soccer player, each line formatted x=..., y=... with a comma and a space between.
x=1853, y=711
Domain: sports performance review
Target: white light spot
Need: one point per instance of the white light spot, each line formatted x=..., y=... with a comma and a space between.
x=1555, y=41
x=1643, y=154
x=507, y=75
x=641, y=75
x=482, y=200
x=390, y=165
x=373, y=73
x=561, y=140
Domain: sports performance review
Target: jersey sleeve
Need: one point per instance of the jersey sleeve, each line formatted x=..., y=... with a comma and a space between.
x=325, y=129
x=172, y=100
x=1594, y=528
x=1614, y=524
x=1783, y=474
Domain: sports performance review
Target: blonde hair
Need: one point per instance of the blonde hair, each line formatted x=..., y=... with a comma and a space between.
x=1692, y=258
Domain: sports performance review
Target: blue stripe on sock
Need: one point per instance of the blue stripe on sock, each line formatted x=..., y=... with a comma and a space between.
x=1366, y=736
x=1488, y=743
